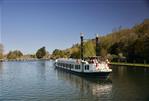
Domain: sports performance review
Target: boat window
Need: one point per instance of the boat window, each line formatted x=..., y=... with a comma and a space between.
x=72, y=66
x=86, y=67
x=63, y=64
x=77, y=66
x=67, y=65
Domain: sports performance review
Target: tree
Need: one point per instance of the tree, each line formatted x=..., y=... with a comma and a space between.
x=41, y=53
x=123, y=44
x=75, y=55
x=1, y=56
x=103, y=52
x=14, y=54
x=1, y=51
x=57, y=53
x=89, y=49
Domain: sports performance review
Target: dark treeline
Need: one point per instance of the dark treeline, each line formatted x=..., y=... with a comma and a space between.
x=131, y=45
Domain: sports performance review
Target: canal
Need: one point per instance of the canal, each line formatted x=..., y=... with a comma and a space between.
x=39, y=81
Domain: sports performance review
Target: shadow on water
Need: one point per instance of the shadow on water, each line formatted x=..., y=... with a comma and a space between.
x=130, y=83
x=98, y=87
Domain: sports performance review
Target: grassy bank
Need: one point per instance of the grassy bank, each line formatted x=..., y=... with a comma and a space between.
x=129, y=64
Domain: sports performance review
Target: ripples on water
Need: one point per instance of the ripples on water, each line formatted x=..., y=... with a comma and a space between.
x=39, y=81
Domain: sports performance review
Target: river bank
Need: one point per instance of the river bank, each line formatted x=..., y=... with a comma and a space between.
x=129, y=64
x=111, y=63
x=33, y=59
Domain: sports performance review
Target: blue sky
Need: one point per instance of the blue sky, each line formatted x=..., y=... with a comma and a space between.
x=28, y=25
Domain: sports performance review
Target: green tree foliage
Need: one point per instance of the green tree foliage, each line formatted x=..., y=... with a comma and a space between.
x=74, y=51
x=103, y=52
x=41, y=53
x=116, y=48
x=123, y=43
x=14, y=54
x=57, y=53
x=132, y=43
x=89, y=49
x=1, y=56
x=75, y=55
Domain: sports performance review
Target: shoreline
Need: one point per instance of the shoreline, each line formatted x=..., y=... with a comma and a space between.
x=129, y=64
x=7, y=60
x=111, y=63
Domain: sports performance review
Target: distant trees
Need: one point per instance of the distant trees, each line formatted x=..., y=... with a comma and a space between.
x=121, y=45
x=1, y=51
x=17, y=54
x=75, y=54
x=74, y=51
x=89, y=49
x=14, y=54
x=57, y=53
x=103, y=52
x=41, y=53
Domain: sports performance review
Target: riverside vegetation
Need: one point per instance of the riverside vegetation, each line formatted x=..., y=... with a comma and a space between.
x=18, y=55
x=123, y=44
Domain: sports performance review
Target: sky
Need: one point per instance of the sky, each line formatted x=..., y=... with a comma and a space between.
x=27, y=25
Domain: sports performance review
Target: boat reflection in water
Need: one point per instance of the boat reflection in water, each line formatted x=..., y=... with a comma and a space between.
x=99, y=88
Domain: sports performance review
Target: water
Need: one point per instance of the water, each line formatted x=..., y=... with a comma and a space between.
x=39, y=81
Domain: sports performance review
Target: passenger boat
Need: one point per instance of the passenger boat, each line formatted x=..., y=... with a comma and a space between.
x=85, y=68
x=93, y=67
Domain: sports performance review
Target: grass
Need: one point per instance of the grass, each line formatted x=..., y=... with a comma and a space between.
x=129, y=64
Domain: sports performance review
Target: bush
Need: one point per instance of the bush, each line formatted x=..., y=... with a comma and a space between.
x=41, y=53
x=14, y=54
